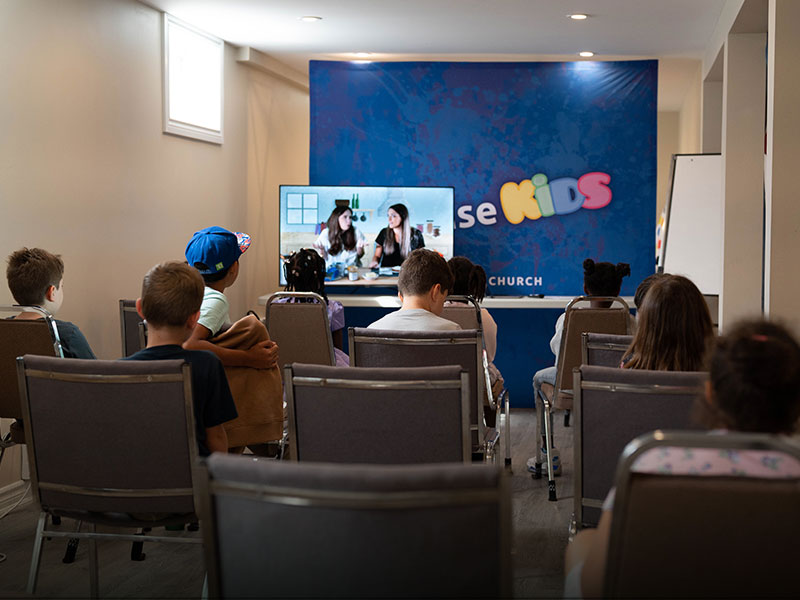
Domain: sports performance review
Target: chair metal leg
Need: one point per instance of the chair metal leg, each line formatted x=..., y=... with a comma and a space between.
x=566, y=418
x=137, y=547
x=94, y=587
x=551, y=480
x=72, y=547
x=506, y=408
x=36, y=559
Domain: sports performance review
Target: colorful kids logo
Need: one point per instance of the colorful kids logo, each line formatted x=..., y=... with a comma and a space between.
x=535, y=197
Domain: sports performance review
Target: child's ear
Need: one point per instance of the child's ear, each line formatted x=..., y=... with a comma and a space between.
x=139, y=307
x=49, y=295
x=191, y=322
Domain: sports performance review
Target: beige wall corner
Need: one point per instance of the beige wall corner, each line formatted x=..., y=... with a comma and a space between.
x=782, y=226
x=743, y=169
x=690, y=120
x=277, y=153
x=668, y=130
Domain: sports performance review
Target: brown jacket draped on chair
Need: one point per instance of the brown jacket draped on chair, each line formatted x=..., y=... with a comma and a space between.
x=258, y=393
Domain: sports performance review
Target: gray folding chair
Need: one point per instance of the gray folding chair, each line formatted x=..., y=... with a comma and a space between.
x=604, y=350
x=106, y=475
x=356, y=531
x=690, y=536
x=613, y=406
x=578, y=320
x=18, y=337
x=300, y=327
x=133, y=332
x=465, y=311
x=389, y=348
x=382, y=416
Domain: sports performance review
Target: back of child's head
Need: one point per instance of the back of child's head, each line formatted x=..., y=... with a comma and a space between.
x=171, y=293
x=603, y=278
x=469, y=278
x=641, y=291
x=755, y=379
x=422, y=270
x=674, y=327
x=214, y=250
x=305, y=272
x=31, y=272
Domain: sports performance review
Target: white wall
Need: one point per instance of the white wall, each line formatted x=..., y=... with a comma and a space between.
x=86, y=172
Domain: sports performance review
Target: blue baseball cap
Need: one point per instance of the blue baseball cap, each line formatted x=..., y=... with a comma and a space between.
x=217, y=248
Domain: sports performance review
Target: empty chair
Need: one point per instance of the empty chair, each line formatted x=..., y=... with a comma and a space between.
x=603, y=350
x=300, y=327
x=578, y=319
x=612, y=407
x=132, y=329
x=389, y=348
x=689, y=536
x=390, y=416
x=296, y=530
x=107, y=475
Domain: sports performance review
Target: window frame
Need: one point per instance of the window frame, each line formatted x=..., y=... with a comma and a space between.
x=181, y=128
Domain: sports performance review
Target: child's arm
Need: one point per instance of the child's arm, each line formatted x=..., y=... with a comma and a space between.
x=263, y=355
x=217, y=439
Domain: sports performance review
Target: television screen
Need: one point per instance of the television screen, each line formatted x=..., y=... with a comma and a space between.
x=306, y=209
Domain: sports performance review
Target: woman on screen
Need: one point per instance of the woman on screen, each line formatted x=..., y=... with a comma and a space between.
x=396, y=241
x=341, y=242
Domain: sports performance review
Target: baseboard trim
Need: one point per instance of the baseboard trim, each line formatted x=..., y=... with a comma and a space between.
x=10, y=495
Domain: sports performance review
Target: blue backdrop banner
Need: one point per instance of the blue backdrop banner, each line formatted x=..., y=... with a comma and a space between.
x=551, y=163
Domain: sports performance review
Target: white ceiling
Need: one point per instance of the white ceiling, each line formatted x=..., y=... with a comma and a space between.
x=675, y=31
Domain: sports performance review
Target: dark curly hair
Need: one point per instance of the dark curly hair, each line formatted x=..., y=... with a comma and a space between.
x=603, y=278
x=305, y=272
x=470, y=279
x=755, y=379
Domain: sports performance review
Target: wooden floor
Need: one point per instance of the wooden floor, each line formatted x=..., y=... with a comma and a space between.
x=176, y=571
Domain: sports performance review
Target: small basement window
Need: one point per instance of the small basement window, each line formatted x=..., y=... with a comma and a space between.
x=193, y=78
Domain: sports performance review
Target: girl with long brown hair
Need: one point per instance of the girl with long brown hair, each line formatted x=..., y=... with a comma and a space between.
x=340, y=242
x=674, y=328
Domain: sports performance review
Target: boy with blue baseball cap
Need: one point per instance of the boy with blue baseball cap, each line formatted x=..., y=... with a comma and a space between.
x=215, y=252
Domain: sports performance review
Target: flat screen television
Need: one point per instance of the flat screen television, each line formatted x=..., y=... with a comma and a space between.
x=305, y=209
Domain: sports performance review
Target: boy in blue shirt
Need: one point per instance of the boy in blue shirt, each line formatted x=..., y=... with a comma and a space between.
x=171, y=296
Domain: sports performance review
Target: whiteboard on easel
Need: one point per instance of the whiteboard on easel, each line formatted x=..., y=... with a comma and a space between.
x=693, y=235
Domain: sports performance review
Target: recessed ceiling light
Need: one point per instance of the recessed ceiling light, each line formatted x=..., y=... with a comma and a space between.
x=362, y=54
x=586, y=54
x=578, y=17
x=361, y=62
x=310, y=19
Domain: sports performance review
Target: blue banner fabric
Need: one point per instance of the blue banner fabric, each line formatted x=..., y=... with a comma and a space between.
x=551, y=162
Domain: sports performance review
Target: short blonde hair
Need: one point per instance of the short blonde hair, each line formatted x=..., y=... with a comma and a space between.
x=171, y=293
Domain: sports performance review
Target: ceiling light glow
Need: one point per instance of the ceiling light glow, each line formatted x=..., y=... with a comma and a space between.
x=310, y=19
x=586, y=54
x=578, y=17
x=362, y=54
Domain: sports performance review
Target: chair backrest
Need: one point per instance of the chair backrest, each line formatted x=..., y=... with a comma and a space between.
x=689, y=536
x=132, y=332
x=613, y=406
x=109, y=436
x=386, y=348
x=384, y=416
x=18, y=337
x=298, y=323
x=603, y=350
x=580, y=320
x=465, y=311
x=355, y=531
